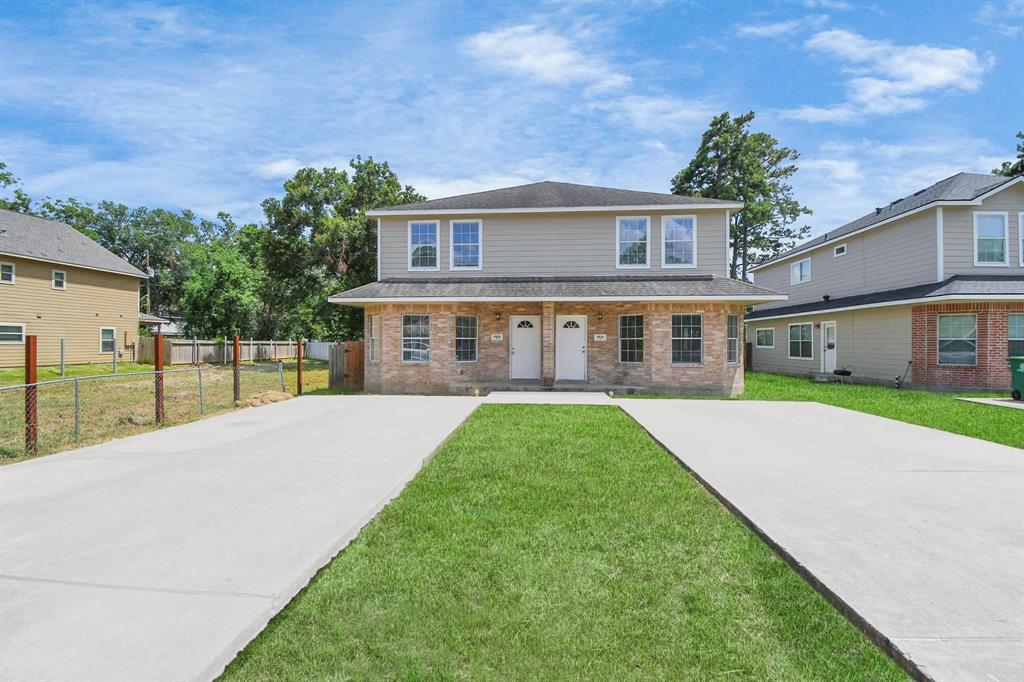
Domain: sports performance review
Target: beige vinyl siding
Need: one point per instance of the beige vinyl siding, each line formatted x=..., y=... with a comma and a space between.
x=532, y=244
x=901, y=254
x=91, y=300
x=874, y=343
x=958, y=239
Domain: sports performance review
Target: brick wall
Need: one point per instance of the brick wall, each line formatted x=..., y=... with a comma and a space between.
x=656, y=373
x=991, y=371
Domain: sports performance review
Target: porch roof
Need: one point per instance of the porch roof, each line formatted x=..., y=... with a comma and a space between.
x=596, y=288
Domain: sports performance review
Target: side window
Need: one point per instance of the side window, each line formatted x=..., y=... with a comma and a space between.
x=801, y=341
x=732, y=338
x=764, y=338
x=373, y=350
x=958, y=340
x=108, y=337
x=12, y=333
x=59, y=279
x=415, y=338
x=687, y=339
x=631, y=338
x=800, y=271
x=1015, y=334
x=423, y=245
x=6, y=273
x=990, y=238
x=466, y=338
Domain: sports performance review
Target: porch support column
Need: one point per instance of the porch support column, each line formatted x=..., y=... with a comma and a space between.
x=547, y=354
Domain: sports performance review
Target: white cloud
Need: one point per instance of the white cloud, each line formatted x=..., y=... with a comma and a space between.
x=838, y=5
x=1006, y=18
x=659, y=114
x=278, y=170
x=139, y=23
x=782, y=28
x=886, y=78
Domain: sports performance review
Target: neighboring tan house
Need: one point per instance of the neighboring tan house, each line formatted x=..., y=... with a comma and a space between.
x=56, y=282
x=935, y=278
x=554, y=284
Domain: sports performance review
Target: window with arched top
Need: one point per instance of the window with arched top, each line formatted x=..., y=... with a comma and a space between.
x=571, y=324
x=525, y=324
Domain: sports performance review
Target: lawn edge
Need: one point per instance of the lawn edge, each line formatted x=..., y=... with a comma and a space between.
x=877, y=638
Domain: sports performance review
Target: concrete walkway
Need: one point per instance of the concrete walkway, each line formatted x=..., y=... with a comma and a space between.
x=919, y=531
x=158, y=557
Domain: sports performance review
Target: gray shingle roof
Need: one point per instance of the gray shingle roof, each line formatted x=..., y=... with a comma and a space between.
x=964, y=286
x=38, y=238
x=547, y=195
x=960, y=187
x=546, y=288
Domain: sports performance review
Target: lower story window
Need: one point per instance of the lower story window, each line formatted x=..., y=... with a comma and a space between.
x=764, y=338
x=465, y=338
x=732, y=338
x=958, y=339
x=415, y=338
x=801, y=340
x=1015, y=333
x=373, y=350
x=12, y=333
x=631, y=338
x=687, y=339
x=107, y=339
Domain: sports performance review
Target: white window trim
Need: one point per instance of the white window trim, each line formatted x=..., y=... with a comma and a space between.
x=14, y=324
x=789, y=341
x=371, y=337
x=53, y=280
x=643, y=338
x=112, y=351
x=738, y=337
x=764, y=329
x=1008, y=337
x=13, y=273
x=796, y=264
x=647, y=256
x=1006, y=239
x=938, y=340
x=835, y=250
x=456, y=337
x=451, y=244
x=1020, y=237
x=672, y=338
x=408, y=246
x=401, y=349
x=663, y=240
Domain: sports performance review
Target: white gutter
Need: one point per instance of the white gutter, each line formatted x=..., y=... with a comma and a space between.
x=906, y=301
x=534, y=299
x=558, y=209
x=73, y=265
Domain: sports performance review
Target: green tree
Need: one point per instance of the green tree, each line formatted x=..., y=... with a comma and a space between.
x=1016, y=167
x=736, y=164
x=221, y=295
x=20, y=201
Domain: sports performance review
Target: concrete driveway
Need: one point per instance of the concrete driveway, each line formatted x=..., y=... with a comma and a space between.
x=919, y=531
x=158, y=557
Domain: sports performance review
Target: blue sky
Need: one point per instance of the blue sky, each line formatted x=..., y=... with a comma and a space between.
x=211, y=106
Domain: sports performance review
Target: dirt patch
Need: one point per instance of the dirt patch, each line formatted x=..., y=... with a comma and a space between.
x=263, y=398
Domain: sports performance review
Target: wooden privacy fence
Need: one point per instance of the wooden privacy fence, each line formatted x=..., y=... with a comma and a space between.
x=346, y=365
x=199, y=351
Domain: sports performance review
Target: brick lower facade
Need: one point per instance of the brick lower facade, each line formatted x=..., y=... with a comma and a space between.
x=442, y=374
x=990, y=372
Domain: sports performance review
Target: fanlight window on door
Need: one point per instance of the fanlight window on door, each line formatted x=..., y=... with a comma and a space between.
x=571, y=324
x=525, y=324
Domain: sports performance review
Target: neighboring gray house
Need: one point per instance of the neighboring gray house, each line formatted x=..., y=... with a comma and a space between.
x=554, y=283
x=932, y=282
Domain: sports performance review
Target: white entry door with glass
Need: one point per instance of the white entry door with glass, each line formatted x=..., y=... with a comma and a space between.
x=570, y=347
x=829, y=348
x=524, y=347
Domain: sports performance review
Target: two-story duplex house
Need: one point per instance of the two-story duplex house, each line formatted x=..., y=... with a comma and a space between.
x=554, y=284
x=932, y=282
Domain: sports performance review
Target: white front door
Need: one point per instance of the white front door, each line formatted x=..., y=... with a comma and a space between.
x=828, y=347
x=524, y=347
x=570, y=347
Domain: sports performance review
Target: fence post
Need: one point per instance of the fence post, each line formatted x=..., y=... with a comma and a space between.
x=236, y=348
x=114, y=352
x=224, y=351
x=62, y=357
x=280, y=374
x=195, y=350
x=202, y=401
x=31, y=395
x=78, y=414
x=158, y=379
x=298, y=367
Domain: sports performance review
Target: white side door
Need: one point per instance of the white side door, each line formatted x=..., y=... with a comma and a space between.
x=829, y=347
x=524, y=347
x=570, y=347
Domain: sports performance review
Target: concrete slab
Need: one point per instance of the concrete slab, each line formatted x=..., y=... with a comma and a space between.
x=550, y=397
x=998, y=402
x=160, y=556
x=919, y=531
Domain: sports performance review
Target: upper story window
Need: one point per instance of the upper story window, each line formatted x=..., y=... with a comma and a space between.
x=991, y=238
x=6, y=273
x=800, y=271
x=839, y=251
x=59, y=279
x=465, y=245
x=633, y=246
x=423, y=244
x=679, y=241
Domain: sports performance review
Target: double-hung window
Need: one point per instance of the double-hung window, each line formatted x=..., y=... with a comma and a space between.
x=687, y=339
x=679, y=241
x=632, y=242
x=631, y=338
x=466, y=335
x=6, y=273
x=466, y=242
x=58, y=279
x=800, y=271
x=415, y=338
x=108, y=337
x=1015, y=334
x=732, y=338
x=991, y=238
x=12, y=333
x=423, y=245
x=801, y=341
x=958, y=339
x=373, y=350
x=764, y=338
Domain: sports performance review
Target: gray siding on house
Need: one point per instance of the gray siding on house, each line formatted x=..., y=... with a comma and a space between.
x=958, y=235
x=549, y=244
x=875, y=343
x=897, y=255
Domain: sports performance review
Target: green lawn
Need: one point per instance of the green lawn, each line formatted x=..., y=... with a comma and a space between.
x=13, y=376
x=558, y=542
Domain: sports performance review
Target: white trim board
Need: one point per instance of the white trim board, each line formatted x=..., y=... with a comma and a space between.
x=71, y=265
x=541, y=299
x=553, y=209
x=887, y=304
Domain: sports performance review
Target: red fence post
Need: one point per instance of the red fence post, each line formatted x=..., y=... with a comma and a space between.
x=31, y=396
x=298, y=374
x=158, y=385
x=236, y=349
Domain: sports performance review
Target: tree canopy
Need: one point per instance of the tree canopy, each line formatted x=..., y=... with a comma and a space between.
x=1016, y=167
